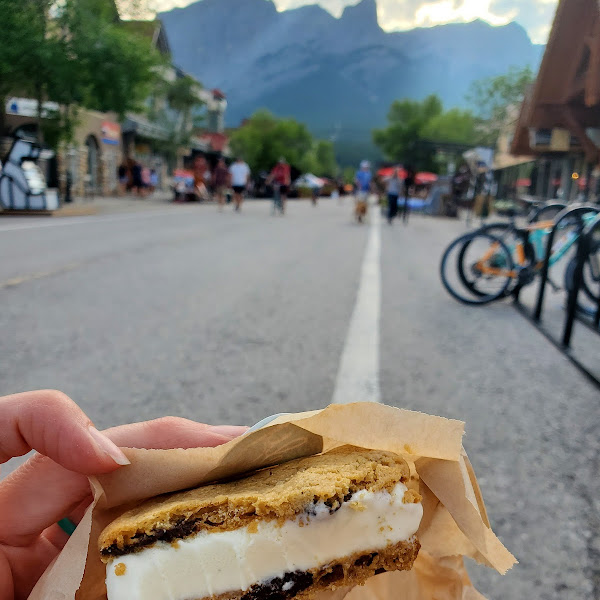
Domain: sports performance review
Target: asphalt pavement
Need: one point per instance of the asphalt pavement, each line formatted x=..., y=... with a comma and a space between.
x=227, y=318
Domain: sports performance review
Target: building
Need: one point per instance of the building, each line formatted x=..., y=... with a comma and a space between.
x=89, y=164
x=559, y=122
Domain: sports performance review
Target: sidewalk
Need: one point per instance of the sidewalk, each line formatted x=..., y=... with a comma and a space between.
x=101, y=205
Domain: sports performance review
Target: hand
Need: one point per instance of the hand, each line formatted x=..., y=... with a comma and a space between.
x=53, y=484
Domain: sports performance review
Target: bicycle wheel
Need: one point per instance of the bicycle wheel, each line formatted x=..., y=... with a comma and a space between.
x=508, y=234
x=590, y=284
x=477, y=268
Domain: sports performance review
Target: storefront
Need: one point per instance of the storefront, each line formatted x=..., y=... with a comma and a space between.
x=144, y=142
x=89, y=163
x=559, y=123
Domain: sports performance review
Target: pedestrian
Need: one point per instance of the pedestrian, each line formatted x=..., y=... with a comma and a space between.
x=201, y=178
x=393, y=188
x=363, y=182
x=239, y=179
x=146, y=180
x=220, y=180
x=281, y=177
x=153, y=180
x=409, y=184
x=53, y=484
x=123, y=174
x=137, y=185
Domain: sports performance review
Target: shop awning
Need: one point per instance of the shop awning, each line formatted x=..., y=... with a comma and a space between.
x=144, y=128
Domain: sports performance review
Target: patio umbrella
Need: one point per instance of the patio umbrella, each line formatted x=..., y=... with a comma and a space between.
x=424, y=178
x=387, y=172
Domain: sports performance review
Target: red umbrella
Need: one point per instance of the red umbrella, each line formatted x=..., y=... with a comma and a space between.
x=389, y=171
x=424, y=178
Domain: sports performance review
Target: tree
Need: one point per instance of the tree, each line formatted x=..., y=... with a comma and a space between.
x=265, y=138
x=25, y=49
x=455, y=126
x=73, y=52
x=411, y=122
x=491, y=98
x=326, y=164
x=177, y=108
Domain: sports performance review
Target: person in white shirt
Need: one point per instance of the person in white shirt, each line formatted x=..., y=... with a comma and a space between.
x=239, y=173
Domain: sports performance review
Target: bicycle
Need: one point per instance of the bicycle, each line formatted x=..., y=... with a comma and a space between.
x=496, y=258
x=277, y=202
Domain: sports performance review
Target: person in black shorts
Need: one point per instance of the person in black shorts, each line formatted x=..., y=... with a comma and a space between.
x=239, y=177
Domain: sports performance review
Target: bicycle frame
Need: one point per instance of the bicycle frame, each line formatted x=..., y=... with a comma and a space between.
x=536, y=234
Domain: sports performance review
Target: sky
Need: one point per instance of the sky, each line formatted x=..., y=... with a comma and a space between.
x=535, y=15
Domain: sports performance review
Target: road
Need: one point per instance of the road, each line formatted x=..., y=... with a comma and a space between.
x=227, y=318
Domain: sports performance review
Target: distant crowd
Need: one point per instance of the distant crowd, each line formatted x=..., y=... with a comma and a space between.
x=136, y=178
x=224, y=183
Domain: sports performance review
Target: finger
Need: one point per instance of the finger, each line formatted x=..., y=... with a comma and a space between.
x=41, y=492
x=172, y=432
x=51, y=423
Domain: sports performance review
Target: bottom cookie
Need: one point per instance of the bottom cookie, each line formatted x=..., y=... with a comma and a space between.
x=353, y=570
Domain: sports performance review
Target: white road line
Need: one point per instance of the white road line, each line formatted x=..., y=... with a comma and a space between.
x=90, y=220
x=358, y=374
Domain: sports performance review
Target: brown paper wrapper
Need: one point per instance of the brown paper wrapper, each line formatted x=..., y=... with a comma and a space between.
x=454, y=524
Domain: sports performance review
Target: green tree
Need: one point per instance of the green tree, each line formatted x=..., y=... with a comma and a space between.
x=415, y=127
x=491, y=98
x=326, y=164
x=456, y=126
x=265, y=138
x=73, y=52
x=407, y=119
x=25, y=49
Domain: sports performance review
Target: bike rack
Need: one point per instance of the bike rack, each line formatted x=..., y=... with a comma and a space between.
x=562, y=216
x=586, y=243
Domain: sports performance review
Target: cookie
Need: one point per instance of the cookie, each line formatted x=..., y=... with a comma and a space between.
x=284, y=532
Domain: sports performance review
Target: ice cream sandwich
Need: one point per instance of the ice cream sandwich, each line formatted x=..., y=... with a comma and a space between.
x=288, y=531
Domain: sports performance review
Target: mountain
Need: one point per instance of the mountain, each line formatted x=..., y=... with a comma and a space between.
x=337, y=75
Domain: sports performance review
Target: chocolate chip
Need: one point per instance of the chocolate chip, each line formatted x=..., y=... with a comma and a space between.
x=365, y=560
x=280, y=588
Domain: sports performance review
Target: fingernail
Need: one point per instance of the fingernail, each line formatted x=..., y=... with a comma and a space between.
x=230, y=431
x=108, y=447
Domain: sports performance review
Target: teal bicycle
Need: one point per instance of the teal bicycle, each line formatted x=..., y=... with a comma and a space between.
x=492, y=261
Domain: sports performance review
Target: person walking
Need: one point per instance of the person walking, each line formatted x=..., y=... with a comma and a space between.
x=220, y=182
x=123, y=174
x=281, y=177
x=363, y=181
x=393, y=188
x=136, y=179
x=239, y=178
x=201, y=177
x=409, y=184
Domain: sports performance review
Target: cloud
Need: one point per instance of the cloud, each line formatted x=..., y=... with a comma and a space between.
x=535, y=15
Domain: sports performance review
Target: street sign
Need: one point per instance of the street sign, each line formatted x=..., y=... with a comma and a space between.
x=28, y=107
x=111, y=133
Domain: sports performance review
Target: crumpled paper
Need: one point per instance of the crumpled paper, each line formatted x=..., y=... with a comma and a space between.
x=455, y=523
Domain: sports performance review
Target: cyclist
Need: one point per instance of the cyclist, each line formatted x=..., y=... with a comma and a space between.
x=363, y=181
x=281, y=178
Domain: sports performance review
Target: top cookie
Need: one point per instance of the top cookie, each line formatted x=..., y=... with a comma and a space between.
x=280, y=492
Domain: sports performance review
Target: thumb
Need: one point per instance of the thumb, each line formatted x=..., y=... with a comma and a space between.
x=51, y=423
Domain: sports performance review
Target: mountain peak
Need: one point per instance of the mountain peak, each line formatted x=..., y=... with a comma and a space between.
x=364, y=13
